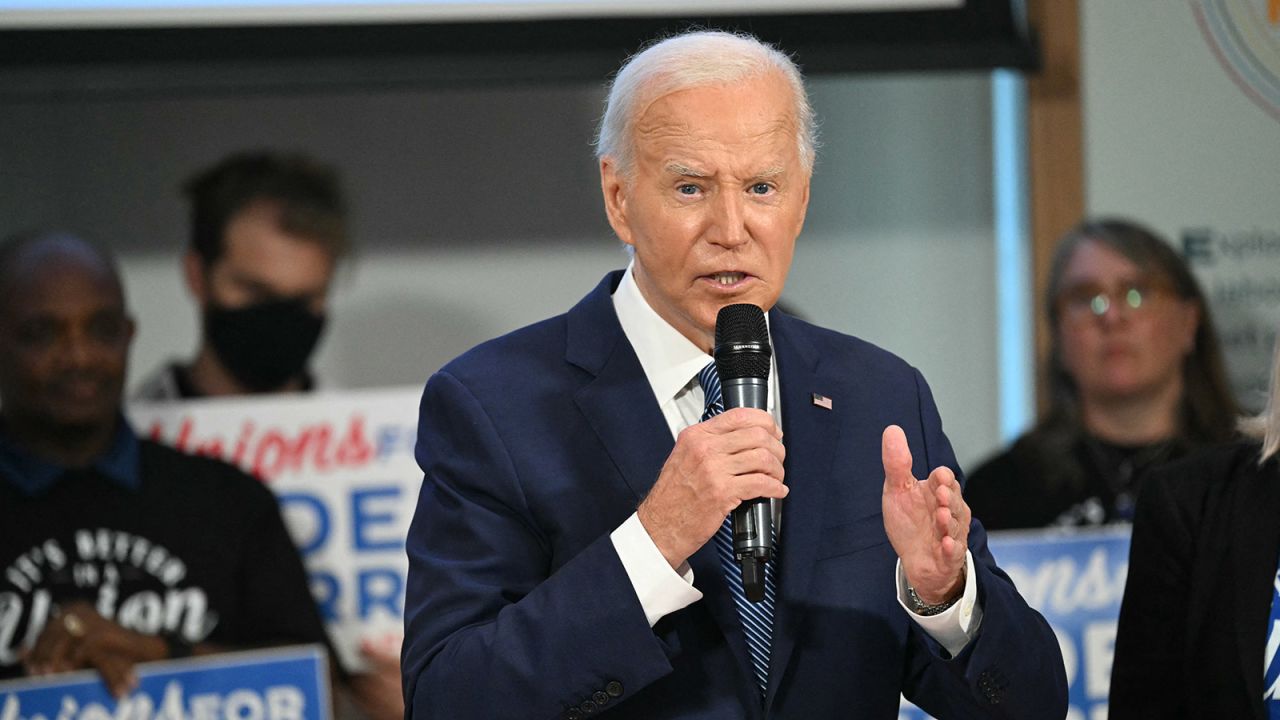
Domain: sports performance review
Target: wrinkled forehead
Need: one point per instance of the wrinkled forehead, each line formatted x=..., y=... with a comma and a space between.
x=755, y=109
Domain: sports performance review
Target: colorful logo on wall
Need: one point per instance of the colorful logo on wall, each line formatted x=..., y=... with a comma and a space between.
x=1245, y=37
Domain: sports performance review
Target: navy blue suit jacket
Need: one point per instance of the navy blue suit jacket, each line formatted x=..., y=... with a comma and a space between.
x=536, y=445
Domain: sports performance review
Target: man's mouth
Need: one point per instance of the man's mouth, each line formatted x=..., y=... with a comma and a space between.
x=728, y=278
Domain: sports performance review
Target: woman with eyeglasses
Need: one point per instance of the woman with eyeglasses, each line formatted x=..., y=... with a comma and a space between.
x=1199, y=630
x=1135, y=378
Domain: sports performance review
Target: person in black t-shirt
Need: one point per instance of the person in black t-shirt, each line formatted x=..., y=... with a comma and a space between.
x=1135, y=378
x=116, y=550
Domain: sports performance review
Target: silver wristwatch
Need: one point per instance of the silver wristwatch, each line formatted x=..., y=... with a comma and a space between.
x=923, y=608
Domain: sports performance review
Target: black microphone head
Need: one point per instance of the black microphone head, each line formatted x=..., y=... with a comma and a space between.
x=742, y=342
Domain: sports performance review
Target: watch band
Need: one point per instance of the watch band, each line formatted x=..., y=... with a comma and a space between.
x=924, y=609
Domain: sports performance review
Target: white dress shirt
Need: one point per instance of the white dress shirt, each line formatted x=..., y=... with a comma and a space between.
x=671, y=363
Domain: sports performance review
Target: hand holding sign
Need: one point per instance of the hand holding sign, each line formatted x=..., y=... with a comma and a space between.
x=77, y=637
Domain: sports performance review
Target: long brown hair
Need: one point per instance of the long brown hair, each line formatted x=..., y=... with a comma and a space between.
x=1208, y=410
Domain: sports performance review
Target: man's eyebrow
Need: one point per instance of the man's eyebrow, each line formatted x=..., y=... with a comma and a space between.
x=675, y=168
x=769, y=172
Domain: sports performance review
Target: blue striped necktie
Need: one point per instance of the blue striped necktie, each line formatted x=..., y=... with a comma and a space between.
x=757, y=618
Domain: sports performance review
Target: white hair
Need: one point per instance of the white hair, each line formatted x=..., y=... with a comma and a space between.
x=1265, y=426
x=695, y=59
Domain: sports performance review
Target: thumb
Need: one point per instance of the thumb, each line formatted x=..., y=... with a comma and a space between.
x=896, y=457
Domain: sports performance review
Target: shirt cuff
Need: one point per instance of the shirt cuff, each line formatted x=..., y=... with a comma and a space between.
x=954, y=627
x=661, y=590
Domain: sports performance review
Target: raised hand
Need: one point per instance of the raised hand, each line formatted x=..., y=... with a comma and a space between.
x=714, y=466
x=927, y=522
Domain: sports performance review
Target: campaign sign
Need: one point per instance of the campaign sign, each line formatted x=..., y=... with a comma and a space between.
x=342, y=465
x=1076, y=581
x=279, y=684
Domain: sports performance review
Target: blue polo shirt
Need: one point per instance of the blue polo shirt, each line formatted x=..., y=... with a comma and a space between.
x=34, y=475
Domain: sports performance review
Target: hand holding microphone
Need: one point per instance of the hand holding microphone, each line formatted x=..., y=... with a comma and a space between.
x=717, y=465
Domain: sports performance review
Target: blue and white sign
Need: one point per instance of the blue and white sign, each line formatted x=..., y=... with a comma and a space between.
x=279, y=684
x=1076, y=581
x=342, y=465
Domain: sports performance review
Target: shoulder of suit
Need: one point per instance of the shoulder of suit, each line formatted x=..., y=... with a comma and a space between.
x=527, y=347
x=834, y=344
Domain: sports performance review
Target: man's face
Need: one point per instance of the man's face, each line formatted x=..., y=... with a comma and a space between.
x=715, y=200
x=66, y=339
x=260, y=263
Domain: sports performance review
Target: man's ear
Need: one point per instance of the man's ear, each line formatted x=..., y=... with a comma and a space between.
x=804, y=206
x=615, y=189
x=193, y=271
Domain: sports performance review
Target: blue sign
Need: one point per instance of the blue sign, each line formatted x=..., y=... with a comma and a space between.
x=1076, y=581
x=277, y=684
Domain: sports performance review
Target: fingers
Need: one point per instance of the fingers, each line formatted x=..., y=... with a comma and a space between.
x=116, y=670
x=896, y=457
x=951, y=513
x=746, y=442
x=740, y=419
x=714, y=466
x=77, y=637
x=51, y=652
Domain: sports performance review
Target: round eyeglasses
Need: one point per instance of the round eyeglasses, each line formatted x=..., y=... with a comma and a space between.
x=1086, y=300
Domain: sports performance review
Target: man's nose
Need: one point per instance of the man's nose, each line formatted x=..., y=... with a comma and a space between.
x=728, y=226
x=79, y=349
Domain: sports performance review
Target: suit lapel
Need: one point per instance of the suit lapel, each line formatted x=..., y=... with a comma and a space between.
x=619, y=405
x=810, y=433
x=617, y=402
x=1256, y=545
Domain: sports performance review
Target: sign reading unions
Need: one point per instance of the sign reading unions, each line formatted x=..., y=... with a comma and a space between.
x=342, y=466
x=279, y=684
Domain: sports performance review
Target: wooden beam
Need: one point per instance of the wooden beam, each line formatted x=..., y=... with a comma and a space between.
x=1055, y=136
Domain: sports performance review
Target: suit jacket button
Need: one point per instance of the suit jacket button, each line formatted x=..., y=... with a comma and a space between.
x=587, y=707
x=614, y=688
x=572, y=714
x=600, y=697
x=992, y=683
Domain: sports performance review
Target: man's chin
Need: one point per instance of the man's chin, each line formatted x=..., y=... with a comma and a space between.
x=80, y=419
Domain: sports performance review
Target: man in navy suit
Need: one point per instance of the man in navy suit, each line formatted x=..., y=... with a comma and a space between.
x=561, y=556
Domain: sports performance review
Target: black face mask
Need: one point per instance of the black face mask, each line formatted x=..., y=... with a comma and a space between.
x=264, y=345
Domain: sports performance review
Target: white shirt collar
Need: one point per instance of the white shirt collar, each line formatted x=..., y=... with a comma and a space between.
x=669, y=359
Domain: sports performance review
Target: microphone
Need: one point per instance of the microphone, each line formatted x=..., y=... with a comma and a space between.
x=742, y=354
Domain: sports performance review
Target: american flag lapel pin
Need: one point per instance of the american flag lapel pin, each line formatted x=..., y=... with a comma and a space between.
x=822, y=401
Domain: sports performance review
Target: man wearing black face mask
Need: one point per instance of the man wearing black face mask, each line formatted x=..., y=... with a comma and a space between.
x=267, y=230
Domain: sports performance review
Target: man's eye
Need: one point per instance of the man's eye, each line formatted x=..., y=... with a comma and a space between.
x=36, y=334
x=687, y=189
x=107, y=329
x=761, y=189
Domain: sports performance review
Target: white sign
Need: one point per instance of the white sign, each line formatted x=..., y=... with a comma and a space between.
x=342, y=466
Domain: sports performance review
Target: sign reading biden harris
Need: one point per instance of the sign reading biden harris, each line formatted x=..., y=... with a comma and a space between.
x=280, y=684
x=342, y=466
x=1076, y=581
